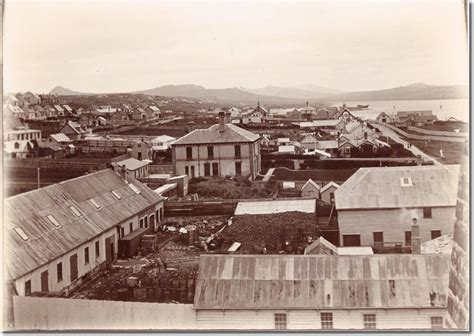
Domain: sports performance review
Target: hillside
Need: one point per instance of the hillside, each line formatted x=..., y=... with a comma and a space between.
x=418, y=91
x=62, y=91
x=286, y=92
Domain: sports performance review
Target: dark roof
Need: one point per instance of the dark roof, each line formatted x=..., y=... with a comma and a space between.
x=231, y=134
x=47, y=242
x=322, y=282
x=285, y=174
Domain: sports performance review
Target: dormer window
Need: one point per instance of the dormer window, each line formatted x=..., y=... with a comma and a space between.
x=406, y=182
x=21, y=233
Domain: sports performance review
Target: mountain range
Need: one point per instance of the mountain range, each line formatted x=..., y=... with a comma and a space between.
x=298, y=94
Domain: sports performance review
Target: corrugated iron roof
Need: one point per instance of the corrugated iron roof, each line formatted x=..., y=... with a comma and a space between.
x=60, y=137
x=46, y=242
x=275, y=206
x=321, y=282
x=232, y=133
x=132, y=164
x=285, y=174
x=372, y=188
x=442, y=244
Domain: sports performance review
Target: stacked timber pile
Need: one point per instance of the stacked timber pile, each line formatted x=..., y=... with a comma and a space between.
x=270, y=232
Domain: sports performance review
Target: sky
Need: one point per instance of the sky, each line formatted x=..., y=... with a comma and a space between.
x=120, y=46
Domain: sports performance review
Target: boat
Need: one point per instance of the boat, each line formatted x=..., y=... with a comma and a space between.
x=362, y=106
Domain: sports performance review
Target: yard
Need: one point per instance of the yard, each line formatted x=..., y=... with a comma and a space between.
x=452, y=151
x=230, y=188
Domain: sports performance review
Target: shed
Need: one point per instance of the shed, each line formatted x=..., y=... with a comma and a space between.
x=129, y=244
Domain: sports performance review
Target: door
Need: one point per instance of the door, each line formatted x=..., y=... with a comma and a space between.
x=351, y=240
x=109, y=249
x=215, y=169
x=378, y=239
x=44, y=281
x=73, y=263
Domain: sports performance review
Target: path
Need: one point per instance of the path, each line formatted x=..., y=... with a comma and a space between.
x=396, y=137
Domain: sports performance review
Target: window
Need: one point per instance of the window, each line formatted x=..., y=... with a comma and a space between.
x=378, y=238
x=210, y=152
x=59, y=272
x=436, y=322
x=326, y=320
x=435, y=234
x=427, y=213
x=86, y=255
x=406, y=182
x=76, y=212
x=141, y=223
x=238, y=168
x=207, y=169
x=130, y=226
x=215, y=169
x=134, y=188
x=331, y=197
x=17, y=145
x=53, y=220
x=237, y=151
x=351, y=240
x=160, y=217
x=146, y=221
x=280, y=321
x=97, y=205
x=117, y=195
x=189, y=153
x=21, y=233
x=28, y=288
x=97, y=249
x=408, y=238
x=122, y=232
x=186, y=170
x=369, y=321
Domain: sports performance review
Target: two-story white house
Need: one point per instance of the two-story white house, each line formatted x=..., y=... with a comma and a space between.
x=221, y=150
x=378, y=205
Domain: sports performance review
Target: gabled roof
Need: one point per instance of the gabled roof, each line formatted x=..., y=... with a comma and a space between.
x=322, y=281
x=76, y=127
x=58, y=108
x=132, y=164
x=319, y=123
x=327, y=144
x=381, y=187
x=329, y=185
x=60, y=137
x=67, y=108
x=154, y=108
x=212, y=135
x=285, y=174
x=46, y=242
x=318, y=243
x=310, y=182
x=163, y=138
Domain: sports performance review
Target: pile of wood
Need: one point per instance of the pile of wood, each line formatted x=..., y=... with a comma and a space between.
x=256, y=232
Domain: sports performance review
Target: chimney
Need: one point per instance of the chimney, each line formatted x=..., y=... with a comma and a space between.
x=221, y=122
x=307, y=104
x=415, y=236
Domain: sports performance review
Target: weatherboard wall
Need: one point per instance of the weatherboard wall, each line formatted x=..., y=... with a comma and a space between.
x=311, y=319
x=393, y=223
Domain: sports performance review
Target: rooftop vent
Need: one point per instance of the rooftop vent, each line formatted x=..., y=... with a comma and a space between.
x=97, y=205
x=117, y=195
x=134, y=188
x=76, y=212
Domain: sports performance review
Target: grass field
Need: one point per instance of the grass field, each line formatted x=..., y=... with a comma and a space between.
x=452, y=151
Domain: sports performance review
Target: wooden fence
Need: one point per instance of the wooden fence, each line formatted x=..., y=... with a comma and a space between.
x=422, y=137
x=40, y=313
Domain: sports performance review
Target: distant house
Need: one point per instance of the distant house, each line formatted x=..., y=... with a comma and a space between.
x=68, y=110
x=68, y=230
x=59, y=110
x=377, y=205
x=415, y=118
x=143, y=113
x=135, y=168
x=310, y=189
x=153, y=111
x=322, y=292
x=10, y=99
x=48, y=99
x=121, y=117
x=73, y=130
x=141, y=151
x=234, y=112
x=319, y=176
x=221, y=150
x=19, y=142
x=51, y=112
x=162, y=143
x=332, y=126
x=13, y=110
x=258, y=114
x=327, y=192
x=28, y=98
x=58, y=140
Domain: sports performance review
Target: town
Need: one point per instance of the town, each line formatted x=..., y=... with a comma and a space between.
x=238, y=216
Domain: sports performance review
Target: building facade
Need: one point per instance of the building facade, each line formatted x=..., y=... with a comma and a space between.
x=54, y=243
x=378, y=205
x=221, y=150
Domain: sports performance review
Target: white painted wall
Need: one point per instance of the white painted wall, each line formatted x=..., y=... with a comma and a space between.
x=393, y=223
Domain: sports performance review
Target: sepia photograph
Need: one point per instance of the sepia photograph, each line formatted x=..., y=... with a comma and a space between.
x=231, y=166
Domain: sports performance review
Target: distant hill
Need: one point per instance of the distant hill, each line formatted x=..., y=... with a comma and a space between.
x=288, y=92
x=417, y=91
x=230, y=95
x=62, y=91
x=317, y=88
